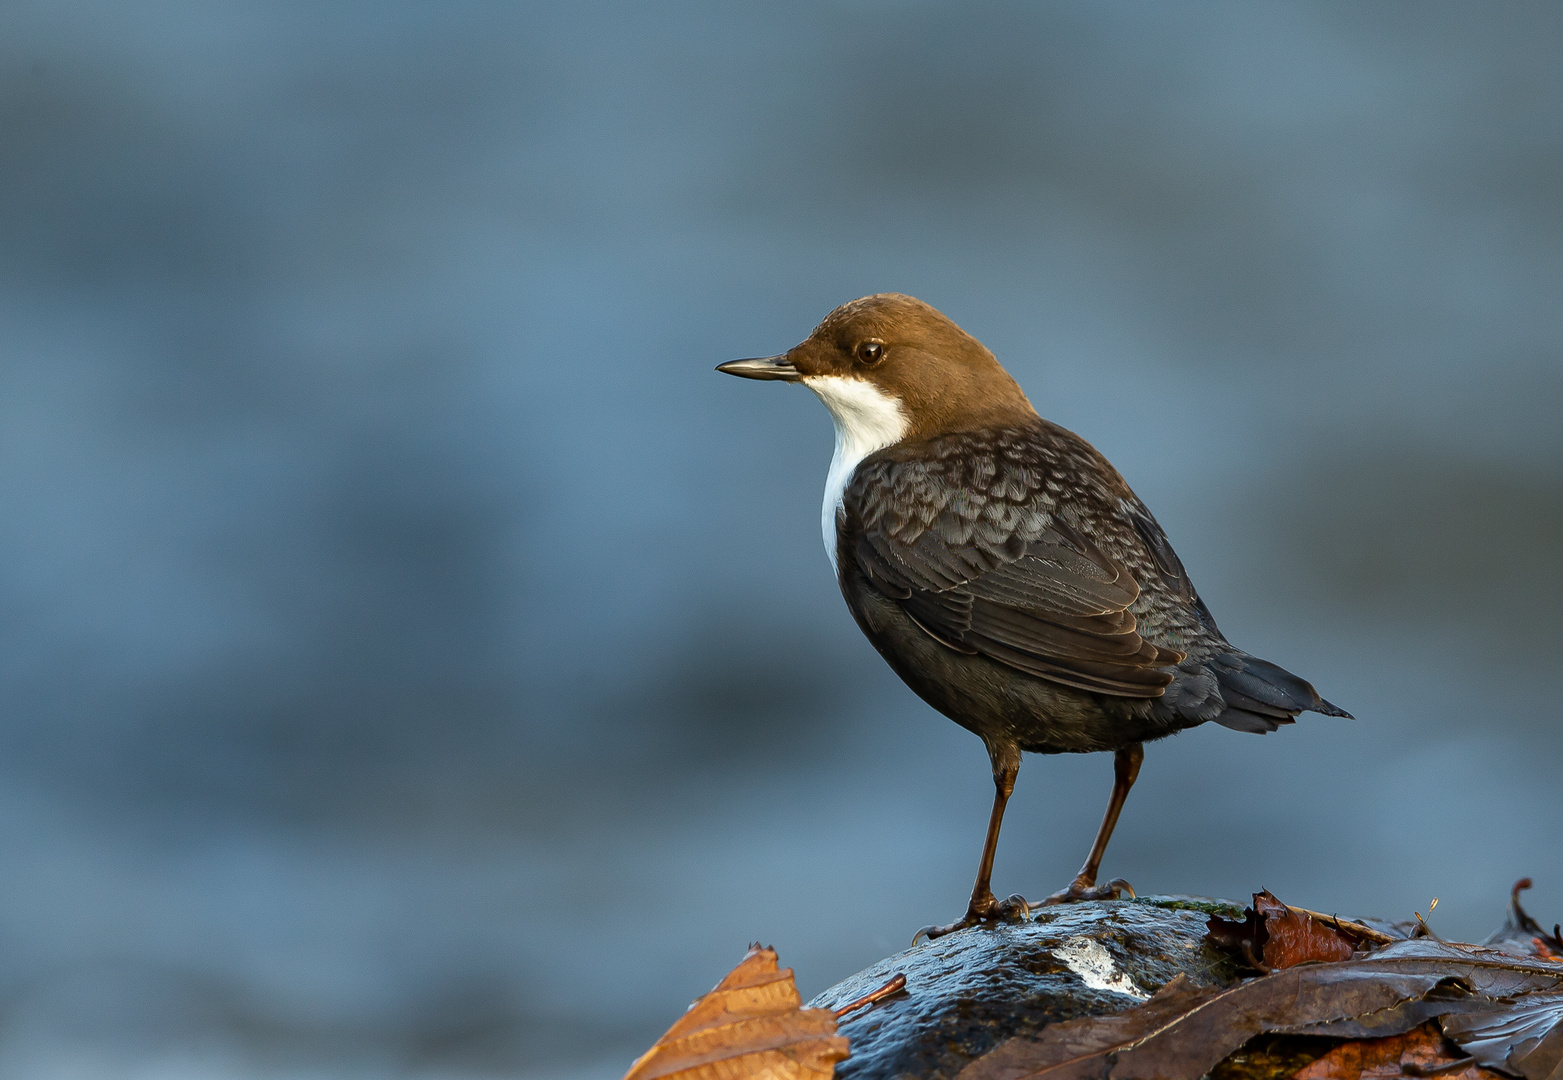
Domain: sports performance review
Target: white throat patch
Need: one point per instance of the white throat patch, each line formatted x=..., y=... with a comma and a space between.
x=867, y=419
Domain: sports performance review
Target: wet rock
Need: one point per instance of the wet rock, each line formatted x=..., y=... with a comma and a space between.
x=969, y=991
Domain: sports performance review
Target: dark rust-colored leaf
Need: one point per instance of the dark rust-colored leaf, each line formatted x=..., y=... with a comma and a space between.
x=1276, y=936
x=1523, y=1037
x=1420, y=1052
x=1182, y=1032
x=1295, y=938
x=749, y=1026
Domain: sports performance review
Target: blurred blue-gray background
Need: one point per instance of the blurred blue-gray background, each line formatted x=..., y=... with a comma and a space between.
x=417, y=662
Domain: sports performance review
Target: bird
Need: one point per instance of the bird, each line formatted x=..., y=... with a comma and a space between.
x=1007, y=572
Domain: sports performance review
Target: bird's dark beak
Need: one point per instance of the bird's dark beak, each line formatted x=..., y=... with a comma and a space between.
x=764, y=367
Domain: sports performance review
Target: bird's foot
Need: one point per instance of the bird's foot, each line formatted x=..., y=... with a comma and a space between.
x=987, y=910
x=1085, y=889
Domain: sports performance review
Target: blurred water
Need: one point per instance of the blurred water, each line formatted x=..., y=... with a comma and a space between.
x=418, y=662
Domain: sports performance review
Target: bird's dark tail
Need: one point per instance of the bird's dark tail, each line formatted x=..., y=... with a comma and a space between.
x=1261, y=696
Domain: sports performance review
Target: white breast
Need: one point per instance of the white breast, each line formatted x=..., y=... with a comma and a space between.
x=867, y=419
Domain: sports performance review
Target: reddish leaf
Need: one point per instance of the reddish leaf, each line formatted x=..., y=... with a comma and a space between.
x=1295, y=938
x=1276, y=936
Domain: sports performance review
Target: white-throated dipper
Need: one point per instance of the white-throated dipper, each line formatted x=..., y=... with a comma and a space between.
x=1006, y=571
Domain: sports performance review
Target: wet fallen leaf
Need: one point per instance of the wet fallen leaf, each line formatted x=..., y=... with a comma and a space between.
x=1523, y=1036
x=1275, y=935
x=1182, y=1032
x=749, y=1026
x=1522, y=934
x=1490, y=972
x=1449, y=995
x=1420, y=1052
x=1192, y=1029
x=1078, y=1039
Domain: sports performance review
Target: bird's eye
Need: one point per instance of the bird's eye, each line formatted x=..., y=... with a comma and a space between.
x=871, y=352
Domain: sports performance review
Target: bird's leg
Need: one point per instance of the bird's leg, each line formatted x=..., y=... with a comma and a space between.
x=984, y=906
x=1126, y=767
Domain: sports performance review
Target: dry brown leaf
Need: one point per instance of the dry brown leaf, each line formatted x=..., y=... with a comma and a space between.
x=1419, y=1052
x=749, y=1027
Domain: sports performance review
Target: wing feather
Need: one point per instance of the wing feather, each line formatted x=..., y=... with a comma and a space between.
x=974, y=548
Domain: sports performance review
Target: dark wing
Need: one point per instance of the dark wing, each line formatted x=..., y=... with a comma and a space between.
x=973, y=552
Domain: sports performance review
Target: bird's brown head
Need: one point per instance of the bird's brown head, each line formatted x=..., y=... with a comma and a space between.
x=896, y=365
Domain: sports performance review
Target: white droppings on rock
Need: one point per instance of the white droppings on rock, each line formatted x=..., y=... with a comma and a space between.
x=1088, y=959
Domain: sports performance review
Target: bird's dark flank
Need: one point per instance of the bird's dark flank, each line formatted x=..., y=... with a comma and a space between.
x=1006, y=571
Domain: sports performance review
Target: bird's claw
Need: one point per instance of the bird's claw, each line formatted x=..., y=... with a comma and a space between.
x=1079, y=890
x=1014, y=909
